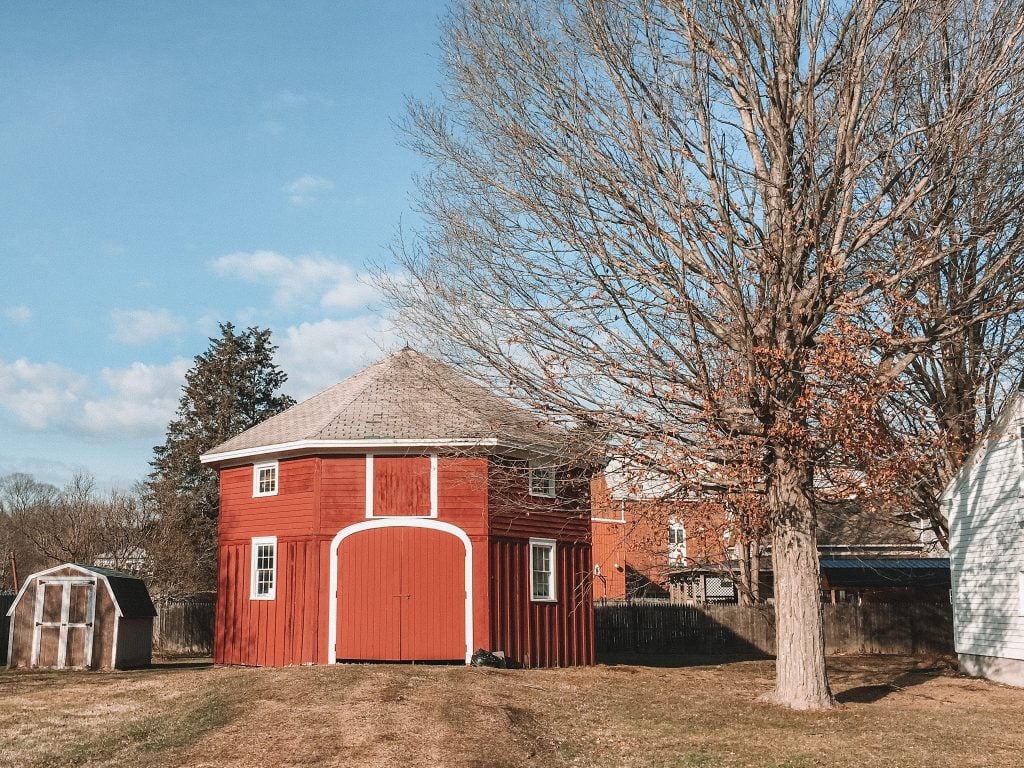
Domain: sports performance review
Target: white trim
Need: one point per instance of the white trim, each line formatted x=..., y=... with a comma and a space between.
x=256, y=469
x=369, y=486
x=355, y=446
x=552, y=546
x=118, y=612
x=90, y=574
x=395, y=522
x=258, y=541
x=607, y=520
x=534, y=466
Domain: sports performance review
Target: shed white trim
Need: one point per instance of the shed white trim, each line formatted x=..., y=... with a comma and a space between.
x=395, y=522
x=90, y=574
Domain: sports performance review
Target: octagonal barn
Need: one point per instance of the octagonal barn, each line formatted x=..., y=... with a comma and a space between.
x=405, y=514
x=81, y=617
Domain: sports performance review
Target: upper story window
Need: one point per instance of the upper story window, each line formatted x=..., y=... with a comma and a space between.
x=676, y=543
x=264, y=479
x=542, y=570
x=542, y=480
x=263, y=585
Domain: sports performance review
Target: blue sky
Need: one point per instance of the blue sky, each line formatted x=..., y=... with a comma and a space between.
x=167, y=166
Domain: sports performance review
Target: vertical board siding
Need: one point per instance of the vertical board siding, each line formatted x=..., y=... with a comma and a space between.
x=541, y=634
x=184, y=625
x=882, y=628
x=401, y=486
x=276, y=632
x=321, y=496
x=401, y=595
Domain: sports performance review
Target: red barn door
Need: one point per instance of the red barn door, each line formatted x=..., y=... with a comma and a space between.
x=401, y=595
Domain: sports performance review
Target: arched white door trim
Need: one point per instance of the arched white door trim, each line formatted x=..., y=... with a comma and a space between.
x=395, y=522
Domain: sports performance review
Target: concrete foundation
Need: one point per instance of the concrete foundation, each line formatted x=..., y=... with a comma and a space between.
x=996, y=668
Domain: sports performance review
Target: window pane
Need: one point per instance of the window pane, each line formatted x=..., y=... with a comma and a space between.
x=268, y=479
x=541, y=572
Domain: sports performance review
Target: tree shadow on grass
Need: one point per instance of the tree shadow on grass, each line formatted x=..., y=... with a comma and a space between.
x=869, y=694
x=180, y=662
x=669, y=661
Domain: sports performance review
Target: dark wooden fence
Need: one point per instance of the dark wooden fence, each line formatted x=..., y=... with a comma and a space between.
x=183, y=626
x=6, y=600
x=900, y=628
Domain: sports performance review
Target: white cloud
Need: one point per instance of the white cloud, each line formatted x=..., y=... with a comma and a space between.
x=126, y=402
x=305, y=189
x=18, y=315
x=141, y=399
x=300, y=279
x=317, y=355
x=141, y=326
x=39, y=395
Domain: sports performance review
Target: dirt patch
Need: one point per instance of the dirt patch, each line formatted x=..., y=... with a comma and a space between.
x=893, y=712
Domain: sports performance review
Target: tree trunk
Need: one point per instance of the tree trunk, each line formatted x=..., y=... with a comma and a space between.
x=742, y=556
x=800, y=678
x=755, y=571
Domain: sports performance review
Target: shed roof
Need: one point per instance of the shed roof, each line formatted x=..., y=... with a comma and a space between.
x=404, y=398
x=130, y=592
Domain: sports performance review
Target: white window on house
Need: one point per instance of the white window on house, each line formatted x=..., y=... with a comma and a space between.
x=1020, y=592
x=264, y=568
x=542, y=480
x=264, y=479
x=542, y=570
x=676, y=544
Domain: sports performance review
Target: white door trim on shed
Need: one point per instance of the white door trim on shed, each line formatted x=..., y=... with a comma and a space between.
x=64, y=624
x=395, y=522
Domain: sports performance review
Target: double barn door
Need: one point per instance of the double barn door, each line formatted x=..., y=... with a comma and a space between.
x=401, y=596
x=64, y=621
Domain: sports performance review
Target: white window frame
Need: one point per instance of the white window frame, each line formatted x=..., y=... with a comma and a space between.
x=262, y=541
x=1020, y=592
x=369, y=488
x=676, y=550
x=256, y=469
x=535, y=467
x=552, y=547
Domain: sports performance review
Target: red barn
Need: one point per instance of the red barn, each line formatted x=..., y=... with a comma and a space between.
x=403, y=514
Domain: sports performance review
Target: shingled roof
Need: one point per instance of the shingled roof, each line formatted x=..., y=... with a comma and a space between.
x=405, y=399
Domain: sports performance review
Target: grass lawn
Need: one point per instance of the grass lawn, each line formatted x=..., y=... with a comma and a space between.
x=895, y=712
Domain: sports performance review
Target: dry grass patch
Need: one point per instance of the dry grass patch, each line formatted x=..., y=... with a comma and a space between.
x=895, y=712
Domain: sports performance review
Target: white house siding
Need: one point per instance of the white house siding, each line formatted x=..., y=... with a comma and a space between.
x=985, y=510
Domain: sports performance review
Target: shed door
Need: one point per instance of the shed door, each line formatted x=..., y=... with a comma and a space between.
x=401, y=595
x=65, y=614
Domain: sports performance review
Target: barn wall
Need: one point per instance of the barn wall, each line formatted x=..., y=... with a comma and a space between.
x=987, y=546
x=292, y=512
x=461, y=500
x=542, y=634
x=134, y=643
x=515, y=513
x=283, y=631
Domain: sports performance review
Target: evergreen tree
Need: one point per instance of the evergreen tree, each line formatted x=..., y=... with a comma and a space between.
x=231, y=387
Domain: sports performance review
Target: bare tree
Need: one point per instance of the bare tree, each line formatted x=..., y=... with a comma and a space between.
x=677, y=224
x=970, y=223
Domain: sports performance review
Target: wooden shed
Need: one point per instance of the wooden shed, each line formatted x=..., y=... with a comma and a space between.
x=81, y=617
x=403, y=514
